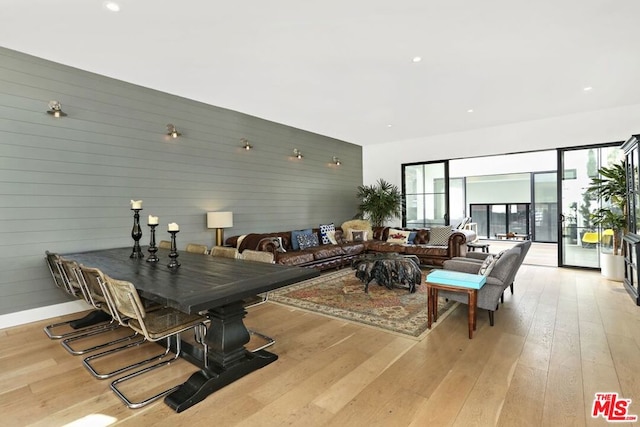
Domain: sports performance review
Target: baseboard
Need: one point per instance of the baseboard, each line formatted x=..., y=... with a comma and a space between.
x=42, y=313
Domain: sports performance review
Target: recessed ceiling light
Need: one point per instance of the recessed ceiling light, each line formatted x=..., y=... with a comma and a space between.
x=389, y=125
x=416, y=59
x=112, y=6
x=587, y=89
x=470, y=110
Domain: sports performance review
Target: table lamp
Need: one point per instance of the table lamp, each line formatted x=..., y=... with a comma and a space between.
x=219, y=221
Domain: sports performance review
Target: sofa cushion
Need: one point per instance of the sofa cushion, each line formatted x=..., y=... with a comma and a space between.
x=398, y=236
x=356, y=224
x=439, y=235
x=422, y=237
x=325, y=251
x=324, y=230
x=353, y=248
x=294, y=238
x=487, y=265
x=294, y=258
x=358, y=235
x=307, y=240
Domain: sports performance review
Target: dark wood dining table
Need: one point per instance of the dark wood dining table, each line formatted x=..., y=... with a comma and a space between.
x=213, y=285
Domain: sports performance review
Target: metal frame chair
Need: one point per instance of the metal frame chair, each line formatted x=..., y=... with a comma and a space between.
x=60, y=279
x=267, y=257
x=163, y=324
x=197, y=248
x=89, y=279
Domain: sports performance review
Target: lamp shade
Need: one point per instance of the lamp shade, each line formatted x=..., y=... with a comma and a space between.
x=219, y=219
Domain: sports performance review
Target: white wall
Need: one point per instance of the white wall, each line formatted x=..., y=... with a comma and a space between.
x=616, y=124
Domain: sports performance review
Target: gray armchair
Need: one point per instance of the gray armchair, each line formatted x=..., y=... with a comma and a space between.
x=500, y=277
x=479, y=257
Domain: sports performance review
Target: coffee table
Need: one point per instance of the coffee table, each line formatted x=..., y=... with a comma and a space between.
x=388, y=269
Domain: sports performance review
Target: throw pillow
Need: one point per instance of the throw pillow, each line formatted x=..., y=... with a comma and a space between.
x=439, y=236
x=324, y=229
x=487, y=265
x=412, y=237
x=307, y=240
x=331, y=235
x=294, y=237
x=398, y=236
x=359, y=236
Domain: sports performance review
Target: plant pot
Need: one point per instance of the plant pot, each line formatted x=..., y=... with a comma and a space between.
x=612, y=267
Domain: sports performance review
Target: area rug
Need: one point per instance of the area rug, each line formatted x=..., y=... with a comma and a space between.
x=340, y=294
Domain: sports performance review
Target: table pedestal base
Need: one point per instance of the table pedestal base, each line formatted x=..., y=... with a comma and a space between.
x=203, y=383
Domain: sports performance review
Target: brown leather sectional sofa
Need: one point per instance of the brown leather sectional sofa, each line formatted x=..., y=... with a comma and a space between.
x=337, y=255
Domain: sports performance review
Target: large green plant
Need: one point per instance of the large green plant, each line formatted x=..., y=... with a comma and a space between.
x=379, y=202
x=610, y=187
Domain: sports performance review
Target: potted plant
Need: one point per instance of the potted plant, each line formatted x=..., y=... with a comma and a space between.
x=610, y=187
x=379, y=202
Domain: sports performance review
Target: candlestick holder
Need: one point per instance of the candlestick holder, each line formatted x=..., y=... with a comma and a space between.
x=136, y=234
x=174, y=253
x=152, y=245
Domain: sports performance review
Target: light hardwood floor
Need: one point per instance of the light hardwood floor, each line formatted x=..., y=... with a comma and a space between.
x=564, y=335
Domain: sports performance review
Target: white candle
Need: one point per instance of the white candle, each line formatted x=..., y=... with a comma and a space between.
x=153, y=220
x=174, y=227
x=136, y=204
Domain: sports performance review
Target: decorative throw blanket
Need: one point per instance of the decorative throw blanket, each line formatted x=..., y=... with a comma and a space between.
x=251, y=241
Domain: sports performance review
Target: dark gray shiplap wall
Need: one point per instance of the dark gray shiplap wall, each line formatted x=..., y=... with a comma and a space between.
x=66, y=184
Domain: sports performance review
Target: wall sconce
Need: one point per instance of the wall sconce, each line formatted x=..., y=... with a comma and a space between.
x=55, y=109
x=297, y=153
x=172, y=131
x=336, y=161
x=246, y=144
x=219, y=221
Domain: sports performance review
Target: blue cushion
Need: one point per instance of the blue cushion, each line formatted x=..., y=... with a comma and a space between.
x=307, y=240
x=412, y=237
x=294, y=237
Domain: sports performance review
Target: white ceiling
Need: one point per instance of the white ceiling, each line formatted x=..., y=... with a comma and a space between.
x=344, y=68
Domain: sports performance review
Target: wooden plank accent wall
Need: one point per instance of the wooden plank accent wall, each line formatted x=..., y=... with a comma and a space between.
x=66, y=183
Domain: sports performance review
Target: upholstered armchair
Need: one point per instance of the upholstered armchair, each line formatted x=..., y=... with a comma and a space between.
x=479, y=257
x=498, y=279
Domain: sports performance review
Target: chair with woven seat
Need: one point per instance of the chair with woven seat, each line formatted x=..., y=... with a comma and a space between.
x=94, y=321
x=164, y=244
x=89, y=278
x=224, y=252
x=197, y=248
x=163, y=324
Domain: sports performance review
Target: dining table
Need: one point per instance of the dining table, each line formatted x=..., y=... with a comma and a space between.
x=213, y=286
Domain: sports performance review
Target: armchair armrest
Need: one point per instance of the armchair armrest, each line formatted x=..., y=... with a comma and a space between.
x=462, y=266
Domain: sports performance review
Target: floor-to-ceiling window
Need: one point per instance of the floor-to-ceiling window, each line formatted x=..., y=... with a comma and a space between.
x=425, y=189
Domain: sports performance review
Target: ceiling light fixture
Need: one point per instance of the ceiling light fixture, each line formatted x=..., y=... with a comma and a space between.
x=55, y=109
x=111, y=6
x=470, y=110
x=245, y=144
x=587, y=89
x=297, y=153
x=336, y=161
x=417, y=59
x=172, y=131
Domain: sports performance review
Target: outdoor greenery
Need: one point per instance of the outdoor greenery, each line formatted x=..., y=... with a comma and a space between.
x=379, y=202
x=610, y=187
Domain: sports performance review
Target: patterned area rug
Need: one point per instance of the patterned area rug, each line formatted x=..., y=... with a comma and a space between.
x=340, y=294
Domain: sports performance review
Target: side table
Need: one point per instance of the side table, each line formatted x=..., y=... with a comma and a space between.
x=453, y=281
x=472, y=246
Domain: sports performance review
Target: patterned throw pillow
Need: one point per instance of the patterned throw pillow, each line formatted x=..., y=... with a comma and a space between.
x=359, y=236
x=331, y=235
x=398, y=236
x=307, y=240
x=439, y=236
x=294, y=237
x=487, y=265
x=324, y=229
